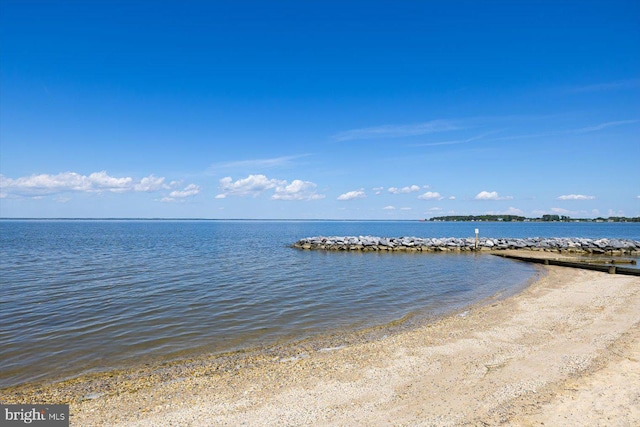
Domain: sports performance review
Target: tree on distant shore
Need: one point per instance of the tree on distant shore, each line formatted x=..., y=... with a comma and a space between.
x=544, y=218
x=505, y=218
x=555, y=218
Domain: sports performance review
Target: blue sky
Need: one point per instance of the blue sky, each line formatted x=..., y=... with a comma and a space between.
x=319, y=110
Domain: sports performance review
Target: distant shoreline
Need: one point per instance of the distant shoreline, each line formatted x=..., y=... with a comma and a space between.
x=514, y=218
x=210, y=219
x=622, y=220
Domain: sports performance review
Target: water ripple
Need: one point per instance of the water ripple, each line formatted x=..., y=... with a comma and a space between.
x=84, y=295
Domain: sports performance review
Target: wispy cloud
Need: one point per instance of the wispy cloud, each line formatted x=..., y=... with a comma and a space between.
x=352, y=195
x=455, y=141
x=606, y=125
x=255, y=185
x=396, y=131
x=435, y=126
x=491, y=195
x=256, y=164
x=609, y=86
x=575, y=197
x=586, y=129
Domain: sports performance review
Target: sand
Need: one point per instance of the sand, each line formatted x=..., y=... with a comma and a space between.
x=565, y=351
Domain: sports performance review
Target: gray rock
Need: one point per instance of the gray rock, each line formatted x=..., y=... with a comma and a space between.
x=412, y=243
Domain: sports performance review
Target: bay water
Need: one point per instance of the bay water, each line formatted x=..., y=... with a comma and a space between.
x=90, y=295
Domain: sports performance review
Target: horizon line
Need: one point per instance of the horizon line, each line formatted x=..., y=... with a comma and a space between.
x=269, y=219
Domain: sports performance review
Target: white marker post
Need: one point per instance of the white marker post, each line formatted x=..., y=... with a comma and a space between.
x=477, y=232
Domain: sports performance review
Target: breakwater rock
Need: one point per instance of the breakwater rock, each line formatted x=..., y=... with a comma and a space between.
x=420, y=244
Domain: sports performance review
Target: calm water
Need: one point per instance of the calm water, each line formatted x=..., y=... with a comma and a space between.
x=77, y=296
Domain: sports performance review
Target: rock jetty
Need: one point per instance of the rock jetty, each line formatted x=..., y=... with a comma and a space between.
x=451, y=244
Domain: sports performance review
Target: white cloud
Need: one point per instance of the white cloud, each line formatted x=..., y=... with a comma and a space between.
x=66, y=181
x=188, y=191
x=297, y=190
x=179, y=195
x=102, y=181
x=97, y=182
x=491, y=195
x=575, y=197
x=254, y=185
x=406, y=209
x=351, y=195
x=377, y=190
x=389, y=208
x=403, y=190
x=431, y=195
x=452, y=197
x=151, y=183
x=396, y=131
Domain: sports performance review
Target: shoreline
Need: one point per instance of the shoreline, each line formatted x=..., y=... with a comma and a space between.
x=332, y=332
x=567, y=346
x=79, y=387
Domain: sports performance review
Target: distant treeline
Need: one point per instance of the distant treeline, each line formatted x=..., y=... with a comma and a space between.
x=543, y=218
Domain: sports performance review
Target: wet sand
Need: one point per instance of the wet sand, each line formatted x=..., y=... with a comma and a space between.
x=565, y=351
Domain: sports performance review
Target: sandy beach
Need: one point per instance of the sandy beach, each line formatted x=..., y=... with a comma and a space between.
x=565, y=351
